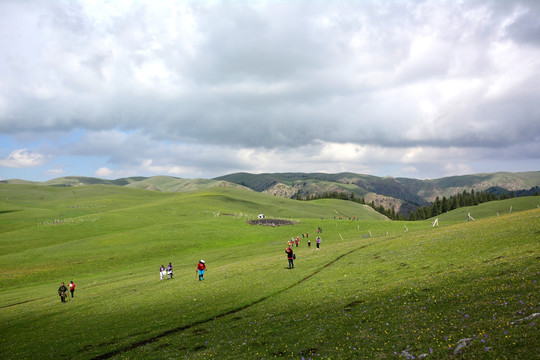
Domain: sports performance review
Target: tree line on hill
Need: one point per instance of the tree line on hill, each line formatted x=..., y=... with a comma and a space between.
x=437, y=207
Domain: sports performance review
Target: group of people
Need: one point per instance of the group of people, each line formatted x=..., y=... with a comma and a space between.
x=63, y=291
x=201, y=268
x=294, y=243
x=166, y=271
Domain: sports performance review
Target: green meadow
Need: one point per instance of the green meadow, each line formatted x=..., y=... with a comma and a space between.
x=376, y=289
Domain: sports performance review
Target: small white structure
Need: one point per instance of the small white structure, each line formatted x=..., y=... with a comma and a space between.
x=261, y=216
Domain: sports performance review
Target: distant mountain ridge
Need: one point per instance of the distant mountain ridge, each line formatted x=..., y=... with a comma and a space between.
x=153, y=183
x=403, y=194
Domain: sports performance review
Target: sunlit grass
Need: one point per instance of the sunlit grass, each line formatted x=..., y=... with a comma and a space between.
x=357, y=297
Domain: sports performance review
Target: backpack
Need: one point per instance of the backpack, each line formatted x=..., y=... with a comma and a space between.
x=294, y=256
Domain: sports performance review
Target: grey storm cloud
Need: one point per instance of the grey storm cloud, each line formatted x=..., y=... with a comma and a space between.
x=272, y=74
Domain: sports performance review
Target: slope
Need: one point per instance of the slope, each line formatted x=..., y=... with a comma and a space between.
x=357, y=297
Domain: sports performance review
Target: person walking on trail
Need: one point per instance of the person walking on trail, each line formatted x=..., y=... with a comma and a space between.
x=297, y=241
x=318, y=242
x=71, y=288
x=170, y=270
x=201, y=267
x=62, y=291
x=309, y=243
x=290, y=257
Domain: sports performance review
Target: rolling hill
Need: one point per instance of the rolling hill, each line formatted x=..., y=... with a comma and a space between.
x=402, y=194
x=154, y=183
x=376, y=289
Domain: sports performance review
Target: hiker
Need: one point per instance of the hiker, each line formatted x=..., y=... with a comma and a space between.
x=62, y=290
x=161, y=272
x=201, y=267
x=290, y=257
x=318, y=242
x=169, y=270
x=71, y=288
x=309, y=243
x=297, y=241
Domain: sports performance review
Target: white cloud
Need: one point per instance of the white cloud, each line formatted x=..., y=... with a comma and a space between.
x=213, y=87
x=22, y=158
x=104, y=172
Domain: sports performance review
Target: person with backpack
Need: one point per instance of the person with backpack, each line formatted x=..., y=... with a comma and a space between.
x=62, y=291
x=201, y=267
x=318, y=242
x=290, y=257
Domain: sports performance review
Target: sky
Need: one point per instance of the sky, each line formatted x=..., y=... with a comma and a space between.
x=200, y=89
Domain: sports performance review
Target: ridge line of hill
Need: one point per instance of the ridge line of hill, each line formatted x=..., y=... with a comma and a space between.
x=404, y=195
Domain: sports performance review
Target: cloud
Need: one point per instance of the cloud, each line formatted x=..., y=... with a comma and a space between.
x=22, y=158
x=207, y=87
x=104, y=172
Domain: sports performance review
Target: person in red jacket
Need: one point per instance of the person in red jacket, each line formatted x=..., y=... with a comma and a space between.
x=290, y=257
x=71, y=288
x=201, y=267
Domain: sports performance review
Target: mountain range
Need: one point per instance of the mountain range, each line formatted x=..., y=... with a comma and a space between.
x=403, y=194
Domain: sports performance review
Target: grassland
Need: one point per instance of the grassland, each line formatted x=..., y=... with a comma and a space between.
x=408, y=286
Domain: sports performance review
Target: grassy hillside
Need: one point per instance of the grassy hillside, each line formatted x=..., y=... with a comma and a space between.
x=359, y=296
x=491, y=209
x=155, y=183
x=404, y=195
x=318, y=183
x=510, y=181
x=171, y=184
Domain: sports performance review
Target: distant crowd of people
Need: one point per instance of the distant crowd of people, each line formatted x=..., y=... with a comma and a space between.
x=291, y=256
